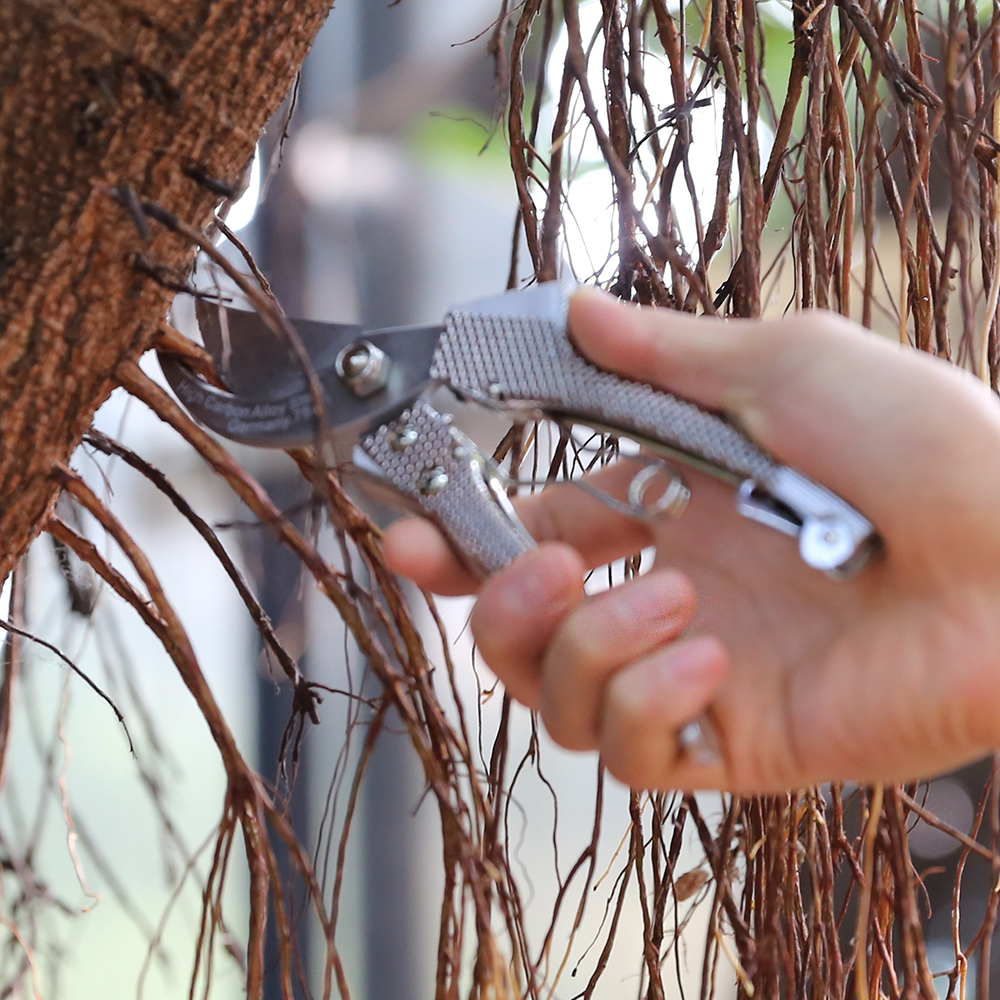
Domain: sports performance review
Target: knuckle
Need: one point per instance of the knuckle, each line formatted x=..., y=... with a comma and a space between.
x=566, y=731
x=582, y=645
x=821, y=322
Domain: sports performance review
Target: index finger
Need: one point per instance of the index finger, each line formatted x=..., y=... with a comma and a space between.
x=560, y=513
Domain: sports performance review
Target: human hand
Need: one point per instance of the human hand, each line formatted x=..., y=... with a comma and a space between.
x=893, y=674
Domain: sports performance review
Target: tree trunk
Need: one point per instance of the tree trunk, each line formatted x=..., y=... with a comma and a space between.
x=144, y=100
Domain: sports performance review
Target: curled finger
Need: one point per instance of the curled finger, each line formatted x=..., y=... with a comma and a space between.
x=646, y=706
x=520, y=609
x=597, y=640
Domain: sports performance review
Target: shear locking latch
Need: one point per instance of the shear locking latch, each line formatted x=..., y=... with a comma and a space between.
x=832, y=535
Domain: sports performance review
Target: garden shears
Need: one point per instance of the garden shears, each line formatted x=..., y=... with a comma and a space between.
x=381, y=411
x=512, y=353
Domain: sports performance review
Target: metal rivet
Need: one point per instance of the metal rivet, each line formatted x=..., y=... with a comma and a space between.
x=494, y=390
x=403, y=438
x=433, y=481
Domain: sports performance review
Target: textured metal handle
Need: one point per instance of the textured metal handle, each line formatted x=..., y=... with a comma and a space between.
x=439, y=469
x=513, y=358
x=502, y=352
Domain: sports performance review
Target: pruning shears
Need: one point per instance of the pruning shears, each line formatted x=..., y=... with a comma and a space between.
x=511, y=353
x=380, y=409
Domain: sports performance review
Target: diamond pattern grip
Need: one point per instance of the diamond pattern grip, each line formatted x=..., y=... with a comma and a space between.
x=457, y=487
x=531, y=358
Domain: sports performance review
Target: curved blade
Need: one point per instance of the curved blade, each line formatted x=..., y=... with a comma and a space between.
x=272, y=406
x=253, y=361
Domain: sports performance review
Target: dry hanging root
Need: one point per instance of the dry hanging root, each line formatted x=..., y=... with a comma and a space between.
x=381, y=625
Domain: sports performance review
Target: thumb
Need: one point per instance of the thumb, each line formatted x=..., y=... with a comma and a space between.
x=783, y=381
x=715, y=362
x=876, y=422
x=756, y=371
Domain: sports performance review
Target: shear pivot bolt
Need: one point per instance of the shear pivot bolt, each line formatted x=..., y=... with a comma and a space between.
x=356, y=362
x=433, y=481
x=363, y=368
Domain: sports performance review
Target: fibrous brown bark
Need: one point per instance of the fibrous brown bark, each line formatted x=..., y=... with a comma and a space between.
x=164, y=99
